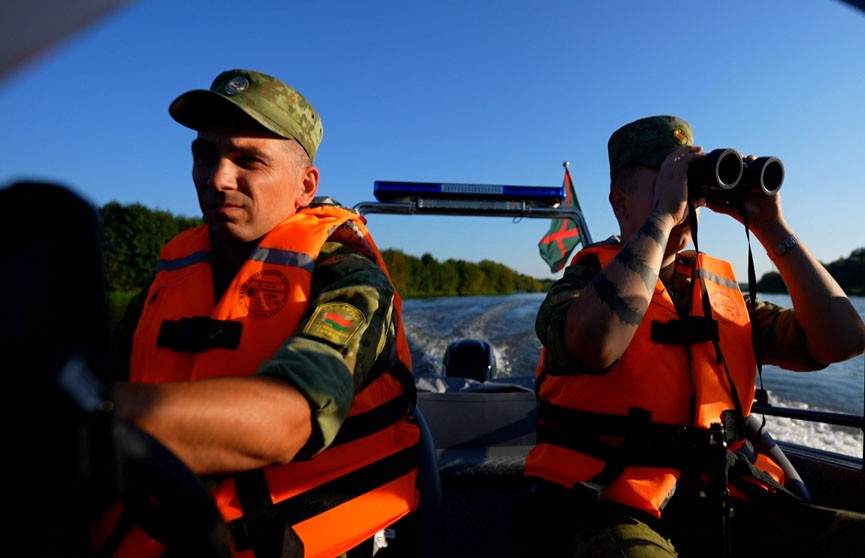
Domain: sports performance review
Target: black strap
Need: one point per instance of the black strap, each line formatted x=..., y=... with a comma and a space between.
x=257, y=526
x=637, y=423
x=685, y=331
x=374, y=420
x=643, y=443
x=272, y=536
x=199, y=333
x=649, y=444
x=762, y=394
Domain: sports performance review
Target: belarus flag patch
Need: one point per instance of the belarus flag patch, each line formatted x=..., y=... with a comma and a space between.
x=335, y=322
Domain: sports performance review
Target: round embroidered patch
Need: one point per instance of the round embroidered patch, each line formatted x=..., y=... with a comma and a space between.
x=264, y=294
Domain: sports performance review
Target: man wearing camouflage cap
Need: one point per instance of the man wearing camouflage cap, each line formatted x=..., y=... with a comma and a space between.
x=648, y=363
x=267, y=352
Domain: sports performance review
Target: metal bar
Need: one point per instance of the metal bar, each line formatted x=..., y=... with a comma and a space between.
x=478, y=208
x=825, y=417
x=838, y=419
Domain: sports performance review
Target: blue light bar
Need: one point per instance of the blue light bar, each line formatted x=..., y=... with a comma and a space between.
x=390, y=191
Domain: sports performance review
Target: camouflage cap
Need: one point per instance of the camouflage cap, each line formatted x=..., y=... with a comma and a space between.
x=265, y=99
x=647, y=141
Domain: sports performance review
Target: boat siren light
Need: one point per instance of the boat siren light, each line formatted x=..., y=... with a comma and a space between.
x=392, y=191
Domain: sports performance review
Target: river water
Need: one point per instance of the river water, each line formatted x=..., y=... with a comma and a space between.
x=507, y=323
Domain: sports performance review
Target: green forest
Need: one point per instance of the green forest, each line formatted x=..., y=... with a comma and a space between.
x=849, y=272
x=134, y=235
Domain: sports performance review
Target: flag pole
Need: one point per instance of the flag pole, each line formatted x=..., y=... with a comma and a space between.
x=565, y=232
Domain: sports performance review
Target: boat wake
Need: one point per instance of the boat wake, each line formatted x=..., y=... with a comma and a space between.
x=507, y=324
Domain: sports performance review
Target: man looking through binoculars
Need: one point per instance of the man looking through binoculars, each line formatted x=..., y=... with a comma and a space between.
x=647, y=374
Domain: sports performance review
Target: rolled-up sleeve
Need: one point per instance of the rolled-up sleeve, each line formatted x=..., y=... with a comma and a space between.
x=348, y=325
x=550, y=320
x=782, y=339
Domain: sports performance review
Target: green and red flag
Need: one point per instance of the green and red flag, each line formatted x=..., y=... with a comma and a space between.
x=563, y=235
x=340, y=322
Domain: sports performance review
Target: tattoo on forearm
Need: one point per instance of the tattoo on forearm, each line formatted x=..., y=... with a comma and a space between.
x=608, y=292
x=635, y=264
x=651, y=229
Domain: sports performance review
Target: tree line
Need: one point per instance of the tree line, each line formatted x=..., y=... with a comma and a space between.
x=849, y=272
x=134, y=235
x=425, y=276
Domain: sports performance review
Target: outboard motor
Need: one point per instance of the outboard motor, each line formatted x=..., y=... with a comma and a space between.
x=470, y=358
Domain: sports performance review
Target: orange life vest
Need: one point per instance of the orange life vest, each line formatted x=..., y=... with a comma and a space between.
x=659, y=386
x=377, y=445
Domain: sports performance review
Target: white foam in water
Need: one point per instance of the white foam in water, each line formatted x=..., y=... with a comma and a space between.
x=843, y=440
x=504, y=321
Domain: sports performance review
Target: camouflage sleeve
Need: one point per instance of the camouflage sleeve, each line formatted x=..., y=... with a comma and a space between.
x=347, y=326
x=550, y=321
x=782, y=338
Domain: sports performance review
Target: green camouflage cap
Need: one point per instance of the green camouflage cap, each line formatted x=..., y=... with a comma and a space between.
x=647, y=141
x=265, y=99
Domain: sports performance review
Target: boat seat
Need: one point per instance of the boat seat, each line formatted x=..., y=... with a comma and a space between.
x=481, y=440
x=480, y=419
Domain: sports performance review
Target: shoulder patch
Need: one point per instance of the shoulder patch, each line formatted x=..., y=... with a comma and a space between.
x=335, y=322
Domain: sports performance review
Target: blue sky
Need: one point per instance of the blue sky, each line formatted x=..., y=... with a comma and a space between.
x=489, y=92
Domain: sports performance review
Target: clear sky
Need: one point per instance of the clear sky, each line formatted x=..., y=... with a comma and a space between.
x=469, y=91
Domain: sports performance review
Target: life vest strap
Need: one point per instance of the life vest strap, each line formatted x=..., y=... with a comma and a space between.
x=376, y=419
x=682, y=450
x=649, y=444
x=260, y=514
x=644, y=443
x=685, y=331
x=199, y=333
x=273, y=537
x=636, y=424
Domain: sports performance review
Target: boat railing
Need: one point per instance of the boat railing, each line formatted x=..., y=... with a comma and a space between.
x=810, y=415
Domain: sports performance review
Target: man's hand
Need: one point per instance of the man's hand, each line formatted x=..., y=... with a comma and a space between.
x=671, y=187
x=763, y=210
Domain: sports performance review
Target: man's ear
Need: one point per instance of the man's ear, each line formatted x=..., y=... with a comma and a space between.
x=309, y=186
x=619, y=202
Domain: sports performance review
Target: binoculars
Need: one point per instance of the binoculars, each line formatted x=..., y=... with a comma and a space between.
x=723, y=174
